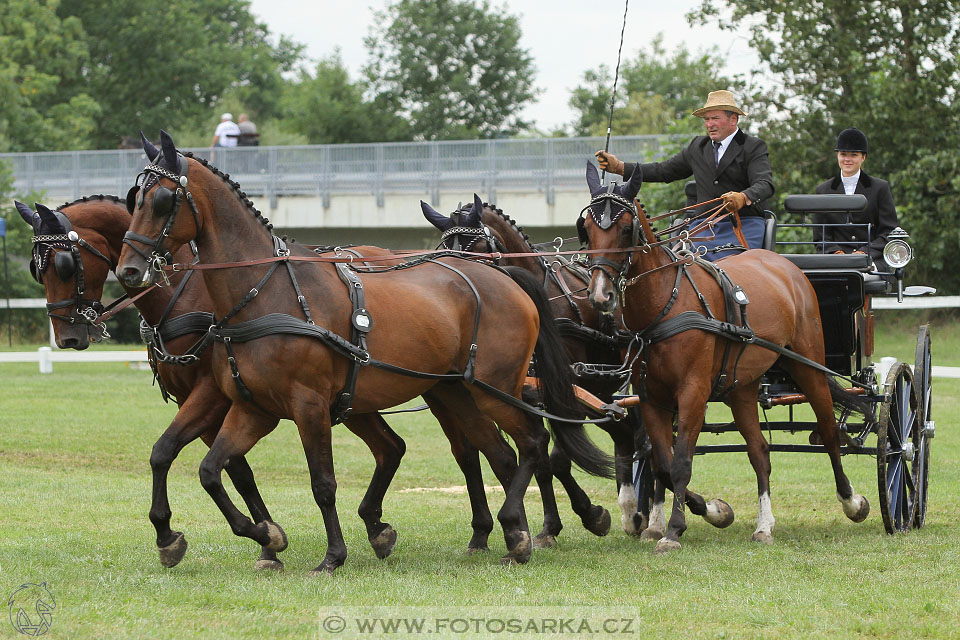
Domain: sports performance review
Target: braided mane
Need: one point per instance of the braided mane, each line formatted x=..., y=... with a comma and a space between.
x=513, y=224
x=97, y=197
x=233, y=185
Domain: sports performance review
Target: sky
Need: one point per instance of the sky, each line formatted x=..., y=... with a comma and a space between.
x=565, y=38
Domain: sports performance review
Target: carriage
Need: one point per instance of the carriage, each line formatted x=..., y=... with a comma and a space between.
x=900, y=435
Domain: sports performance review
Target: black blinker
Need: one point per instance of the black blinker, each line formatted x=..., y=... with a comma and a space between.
x=162, y=201
x=131, y=195
x=34, y=272
x=582, y=231
x=64, y=265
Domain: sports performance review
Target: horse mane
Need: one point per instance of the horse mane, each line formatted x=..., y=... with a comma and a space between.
x=98, y=197
x=233, y=185
x=506, y=218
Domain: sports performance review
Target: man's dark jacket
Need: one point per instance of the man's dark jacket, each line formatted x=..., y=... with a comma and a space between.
x=880, y=213
x=745, y=166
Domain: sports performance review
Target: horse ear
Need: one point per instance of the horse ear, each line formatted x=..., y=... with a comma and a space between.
x=593, y=178
x=28, y=215
x=169, y=149
x=54, y=226
x=434, y=217
x=148, y=147
x=473, y=218
x=632, y=188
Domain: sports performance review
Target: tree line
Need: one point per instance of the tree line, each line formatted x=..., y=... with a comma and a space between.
x=82, y=74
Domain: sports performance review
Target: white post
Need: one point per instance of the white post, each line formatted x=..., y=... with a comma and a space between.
x=46, y=365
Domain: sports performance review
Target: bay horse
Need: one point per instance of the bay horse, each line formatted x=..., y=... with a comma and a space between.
x=669, y=300
x=591, y=337
x=75, y=247
x=456, y=332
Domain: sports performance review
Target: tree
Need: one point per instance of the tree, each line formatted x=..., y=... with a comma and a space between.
x=327, y=108
x=40, y=54
x=656, y=92
x=889, y=69
x=454, y=68
x=167, y=65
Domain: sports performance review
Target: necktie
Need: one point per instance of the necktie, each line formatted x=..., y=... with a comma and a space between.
x=716, y=154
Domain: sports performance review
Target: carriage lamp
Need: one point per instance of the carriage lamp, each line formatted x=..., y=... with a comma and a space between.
x=897, y=253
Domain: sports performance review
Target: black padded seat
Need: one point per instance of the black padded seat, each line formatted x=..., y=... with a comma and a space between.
x=874, y=285
x=840, y=261
x=824, y=202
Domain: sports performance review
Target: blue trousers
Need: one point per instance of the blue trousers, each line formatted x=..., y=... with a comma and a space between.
x=752, y=227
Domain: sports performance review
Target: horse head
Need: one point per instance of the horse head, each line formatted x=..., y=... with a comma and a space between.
x=463, y=230
x=74, y=285
x=165, y=215
x=609, y=222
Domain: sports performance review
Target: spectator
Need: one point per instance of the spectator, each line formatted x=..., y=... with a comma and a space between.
x=227, y=132
x=248, y=132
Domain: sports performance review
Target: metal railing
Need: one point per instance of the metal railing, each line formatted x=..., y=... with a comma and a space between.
x=537, y=164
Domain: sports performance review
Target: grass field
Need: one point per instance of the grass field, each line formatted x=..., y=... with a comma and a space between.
x=75, y=491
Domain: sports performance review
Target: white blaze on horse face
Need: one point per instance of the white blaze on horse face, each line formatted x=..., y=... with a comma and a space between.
x=628, y=508
x=765, y=519
x=600, y=284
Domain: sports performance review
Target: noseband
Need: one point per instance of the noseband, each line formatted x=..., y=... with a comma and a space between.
x=66, y=265
x=165, y=203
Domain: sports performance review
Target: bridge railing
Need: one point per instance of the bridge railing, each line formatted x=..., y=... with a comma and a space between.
x=536, y=164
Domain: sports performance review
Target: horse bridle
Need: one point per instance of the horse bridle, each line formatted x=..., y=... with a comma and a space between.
x=475, y=234
x=165, y=203
x=67, y=264
x=616, y=271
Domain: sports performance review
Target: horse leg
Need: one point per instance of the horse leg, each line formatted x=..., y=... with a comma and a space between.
x=814, y=386
x=468, y=459
x=198, y=415
x=314, y=426
x=629, y=437
x=387, y=448
x=242, y=477
x=743, y=404
x=531, y=438
x=241, y=430
x=594, y=517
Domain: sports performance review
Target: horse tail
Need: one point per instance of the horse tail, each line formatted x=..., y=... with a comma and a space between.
x=851, y=401
x=555, y=382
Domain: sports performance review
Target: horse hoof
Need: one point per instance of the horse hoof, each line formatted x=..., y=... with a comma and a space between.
x=509, y=561
x=634, y=525
x=763, y=537
x=600, y=524
x=172, y=554
x=666, y=546
x=268, y=565
x=857, y=508
x=719, y=513
x=544, y=541
x=472, y=550
x=278, y=539
x=384, y=542
x=521, y=549
x=650, y=534
x=322, y=570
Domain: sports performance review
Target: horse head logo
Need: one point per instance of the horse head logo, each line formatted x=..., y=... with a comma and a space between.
x=31, y=609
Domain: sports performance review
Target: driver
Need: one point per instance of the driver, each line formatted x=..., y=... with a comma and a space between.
x=726, y=163
x=879, y=212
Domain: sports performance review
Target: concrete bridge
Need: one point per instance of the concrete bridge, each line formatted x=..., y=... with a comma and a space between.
x=365, y=193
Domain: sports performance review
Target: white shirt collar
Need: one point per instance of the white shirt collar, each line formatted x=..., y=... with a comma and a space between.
x=725, y=143
x=850, y=183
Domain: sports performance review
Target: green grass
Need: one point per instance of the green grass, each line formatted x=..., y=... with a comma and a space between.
x=75, y=491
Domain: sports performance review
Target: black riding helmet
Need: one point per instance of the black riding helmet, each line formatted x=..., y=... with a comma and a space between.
x=852, y=140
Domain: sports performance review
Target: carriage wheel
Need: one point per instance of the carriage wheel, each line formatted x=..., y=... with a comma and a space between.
x=921, y=375
x=899, y=434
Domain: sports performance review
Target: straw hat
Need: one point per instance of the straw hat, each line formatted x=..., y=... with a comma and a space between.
x=719, y=101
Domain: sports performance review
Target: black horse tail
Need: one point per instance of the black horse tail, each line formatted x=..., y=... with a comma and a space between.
x=850, y=401
x=556, y=384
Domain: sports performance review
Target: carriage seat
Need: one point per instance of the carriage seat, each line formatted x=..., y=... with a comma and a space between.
x=872, y=284
x=824, y=203
x=770, y=226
